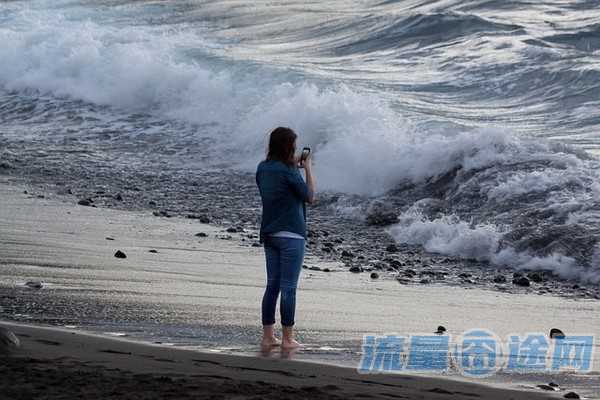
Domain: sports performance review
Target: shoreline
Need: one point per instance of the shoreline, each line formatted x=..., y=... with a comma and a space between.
x=201, y=280
x=109, y=367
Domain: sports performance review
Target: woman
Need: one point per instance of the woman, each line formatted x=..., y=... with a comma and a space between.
x=283, y=230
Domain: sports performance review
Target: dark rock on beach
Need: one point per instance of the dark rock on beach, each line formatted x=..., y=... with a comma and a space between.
x=381, y=213
x=85, y=202
x=392, y=248
x=571, y=395
x=535, y=277
x=201, y=234
x=499, y=279
x=374, y=275
x=34, y=284
x=355, y=269
x=522, y=281
x=556, y=333
x=120, y=254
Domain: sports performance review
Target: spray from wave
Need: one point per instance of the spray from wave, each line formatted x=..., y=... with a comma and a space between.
x=480, y=193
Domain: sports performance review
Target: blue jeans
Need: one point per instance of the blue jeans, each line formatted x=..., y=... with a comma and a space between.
x=284, y=263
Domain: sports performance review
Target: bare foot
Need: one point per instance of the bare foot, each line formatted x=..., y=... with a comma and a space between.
x=269, y=342
x=290, y=344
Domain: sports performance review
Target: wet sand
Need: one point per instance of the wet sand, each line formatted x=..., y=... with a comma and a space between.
x=55, y=364
x=203, y=292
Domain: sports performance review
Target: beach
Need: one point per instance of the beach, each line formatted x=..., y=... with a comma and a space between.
x=181, y=296
x=61, y=364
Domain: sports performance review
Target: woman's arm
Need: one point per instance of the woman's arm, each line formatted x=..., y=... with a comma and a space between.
x=310, y=180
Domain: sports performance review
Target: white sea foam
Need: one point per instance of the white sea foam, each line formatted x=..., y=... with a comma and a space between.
x=449, y=235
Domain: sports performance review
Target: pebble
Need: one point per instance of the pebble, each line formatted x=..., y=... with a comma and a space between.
x=201, y=234
x=392, y=248
x=120, y=254
x=152, y=251
x=355, y=269
x=522, y=281
x=547, y=387
x=8, y=339
x=556, y=333
x=85, y=202
x=374, y=275
x=347, y=254
x=499, y=279
x=34, y=284
x=571, y=395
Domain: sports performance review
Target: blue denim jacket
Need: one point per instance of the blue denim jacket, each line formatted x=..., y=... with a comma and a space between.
x=284, y=195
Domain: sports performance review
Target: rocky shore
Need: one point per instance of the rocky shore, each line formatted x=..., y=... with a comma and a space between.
x=230, y=199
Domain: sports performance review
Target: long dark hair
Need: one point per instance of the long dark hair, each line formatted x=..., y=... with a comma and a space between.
x=282, y=146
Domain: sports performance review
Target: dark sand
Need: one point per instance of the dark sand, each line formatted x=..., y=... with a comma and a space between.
x=59, y=364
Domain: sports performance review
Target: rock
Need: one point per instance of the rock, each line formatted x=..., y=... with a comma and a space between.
x=164, y=213
x=402, y=281
x=326, y=249
x=347, y=254
x=152, y=203
x=8, y=340
x=355, y=269
x=231, y=230
x=424, y=281
x=464, y=275
x=109, y=238
x=547, y=387
x=328, y=244
x=575, y=286
x=395, y=264
x=380, y=213
x=440, y=330
x=85, y=202
x=392, y=248
x=204, y=219
x=201, y=234
x=374, y=275
x=304, y=266
x=314, y=268
x=522, y=281
x=499, y=279
x=556, y=333
x=34, y=284
x=256, y=244
x=553, y=384
x=571, y=395
x=410, y=272
x=120, y=254
x=536, y=277
x=326, y=270
x=153, y=251
x=156, y=213
x=118, y=197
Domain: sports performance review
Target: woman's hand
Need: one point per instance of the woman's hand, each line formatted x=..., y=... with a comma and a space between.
x=304, y=163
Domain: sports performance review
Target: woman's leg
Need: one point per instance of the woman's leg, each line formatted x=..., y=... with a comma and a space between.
x=269, y=301
x=291, y=258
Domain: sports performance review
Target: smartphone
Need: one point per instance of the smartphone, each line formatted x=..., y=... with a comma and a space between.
x=305, y=154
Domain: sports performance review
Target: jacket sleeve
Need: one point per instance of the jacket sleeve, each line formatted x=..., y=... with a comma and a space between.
x=298, y=186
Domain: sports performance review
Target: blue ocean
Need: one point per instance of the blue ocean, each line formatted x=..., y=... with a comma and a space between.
x=479, y=120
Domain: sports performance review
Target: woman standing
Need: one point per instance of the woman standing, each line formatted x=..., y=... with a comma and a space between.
x=284, y=196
